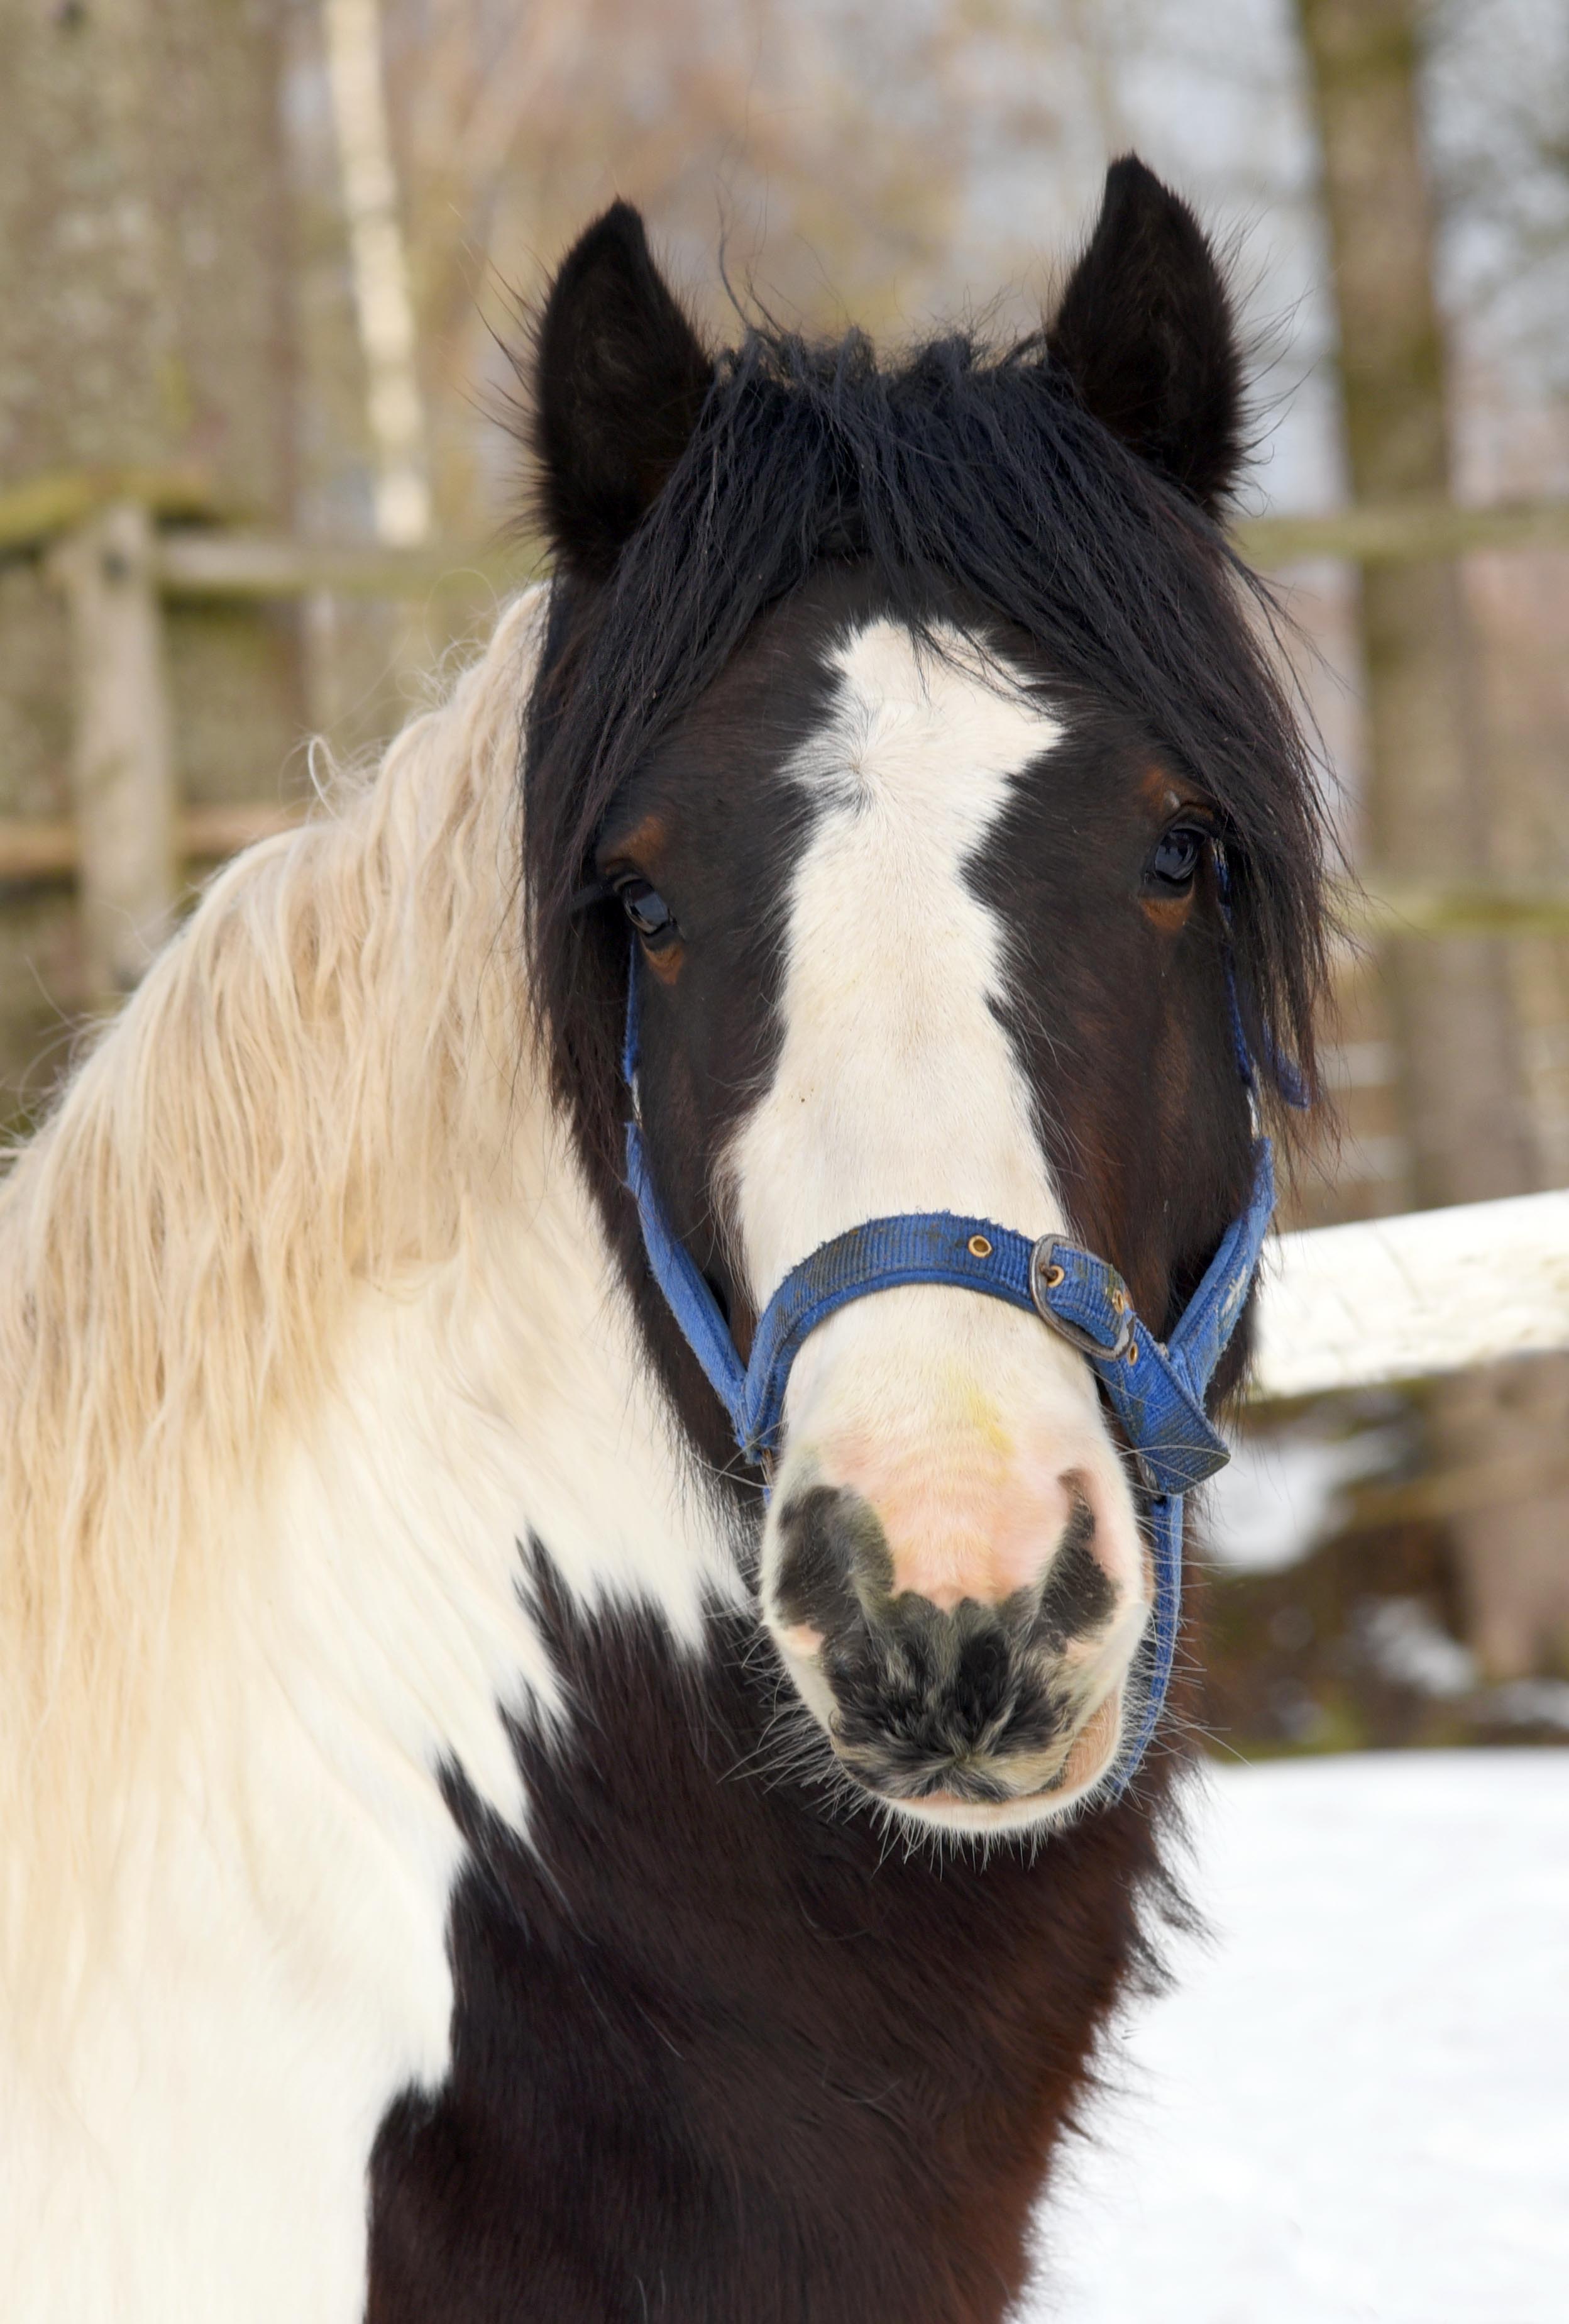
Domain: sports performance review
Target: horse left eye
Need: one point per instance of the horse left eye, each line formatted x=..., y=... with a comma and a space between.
x=649, y=912
x=1176, y=857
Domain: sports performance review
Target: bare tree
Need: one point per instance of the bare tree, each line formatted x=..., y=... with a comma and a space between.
x=843, y=137
x=1430, y=809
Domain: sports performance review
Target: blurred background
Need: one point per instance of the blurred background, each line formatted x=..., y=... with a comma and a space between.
x=261, y=267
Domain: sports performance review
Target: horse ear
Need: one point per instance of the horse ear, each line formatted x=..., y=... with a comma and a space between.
x=1145, y=331
x=619, y=381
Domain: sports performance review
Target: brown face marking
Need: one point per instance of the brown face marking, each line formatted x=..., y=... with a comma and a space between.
x=1169, y=914
x=641, y=849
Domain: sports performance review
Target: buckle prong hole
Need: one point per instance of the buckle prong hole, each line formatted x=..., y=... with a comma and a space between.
x=978, y=1247
x=1052, y=1276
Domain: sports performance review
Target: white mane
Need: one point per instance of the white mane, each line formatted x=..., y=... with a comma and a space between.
x=288, y=1102
x=324, y=1086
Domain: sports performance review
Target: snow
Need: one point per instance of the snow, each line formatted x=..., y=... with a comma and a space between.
x=1402, y=1639
x=1355, y=2107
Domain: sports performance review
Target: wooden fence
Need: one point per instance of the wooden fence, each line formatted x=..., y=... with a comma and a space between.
x=1380, y=1300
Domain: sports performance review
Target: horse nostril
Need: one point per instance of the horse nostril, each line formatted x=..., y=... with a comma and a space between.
x=1077, y=1596
x=834, y=1560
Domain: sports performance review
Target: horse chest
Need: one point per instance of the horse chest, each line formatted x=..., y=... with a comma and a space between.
x=719, y=2050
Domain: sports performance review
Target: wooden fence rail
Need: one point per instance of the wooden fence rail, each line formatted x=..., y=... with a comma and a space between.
x=205, y=564
x=1404, y=532
x=194, y=564
x=258, y=564
x=49, y=848
x=197, y=565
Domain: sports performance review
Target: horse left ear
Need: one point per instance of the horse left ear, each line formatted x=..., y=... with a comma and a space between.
x=619, y=381
x=1145, y=331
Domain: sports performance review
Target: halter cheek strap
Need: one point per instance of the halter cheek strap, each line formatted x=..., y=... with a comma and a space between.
x=1156, y=1389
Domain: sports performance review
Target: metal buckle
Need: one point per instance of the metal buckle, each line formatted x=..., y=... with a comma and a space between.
x=1042, y=1260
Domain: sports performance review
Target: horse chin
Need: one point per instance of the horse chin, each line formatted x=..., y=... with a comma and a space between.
x=1030, y=1806
x=1091, y=1758
x=1089, y=1762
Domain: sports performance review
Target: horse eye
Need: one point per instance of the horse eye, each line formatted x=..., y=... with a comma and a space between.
x=1176, y=857
x=649, y=912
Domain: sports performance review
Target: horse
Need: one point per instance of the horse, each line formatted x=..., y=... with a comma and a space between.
x=487, y=1834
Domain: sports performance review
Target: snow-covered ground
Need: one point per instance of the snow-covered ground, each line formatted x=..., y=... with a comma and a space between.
x=1355, y=2107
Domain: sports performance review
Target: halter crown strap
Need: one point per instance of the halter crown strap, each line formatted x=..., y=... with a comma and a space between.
x=1156, y=1390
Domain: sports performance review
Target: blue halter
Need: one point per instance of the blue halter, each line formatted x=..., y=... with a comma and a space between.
x=1156, y=1390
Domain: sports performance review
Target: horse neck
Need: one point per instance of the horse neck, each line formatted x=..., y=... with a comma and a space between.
x=319, y=1329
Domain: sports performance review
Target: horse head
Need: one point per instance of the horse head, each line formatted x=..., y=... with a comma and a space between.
x=906, y=758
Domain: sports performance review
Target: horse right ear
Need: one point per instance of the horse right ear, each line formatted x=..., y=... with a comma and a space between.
x=619, y=382
x=1145, y=332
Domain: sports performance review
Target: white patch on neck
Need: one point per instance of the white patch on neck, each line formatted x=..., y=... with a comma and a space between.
x=279, y=1973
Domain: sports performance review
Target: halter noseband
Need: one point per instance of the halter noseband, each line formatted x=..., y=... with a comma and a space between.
x=1156, y=1389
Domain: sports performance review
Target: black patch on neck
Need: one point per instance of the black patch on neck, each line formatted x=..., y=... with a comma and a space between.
x=721, y=2050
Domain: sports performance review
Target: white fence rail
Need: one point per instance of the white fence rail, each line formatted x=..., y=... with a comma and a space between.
x=1403, y=1298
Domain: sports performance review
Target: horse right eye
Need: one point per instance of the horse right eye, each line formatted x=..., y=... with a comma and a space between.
x=1177, y=857
x=649, y=914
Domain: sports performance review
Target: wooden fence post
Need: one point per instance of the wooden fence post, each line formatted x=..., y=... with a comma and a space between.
x=122, y=772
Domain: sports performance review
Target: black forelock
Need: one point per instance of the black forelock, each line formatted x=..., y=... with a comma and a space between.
x=962, y=475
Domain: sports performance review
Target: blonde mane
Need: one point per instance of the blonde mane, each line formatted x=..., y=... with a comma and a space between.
x=304, y=1095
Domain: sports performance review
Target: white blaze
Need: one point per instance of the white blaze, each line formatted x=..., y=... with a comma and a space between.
x=896, y=1088
x=967, y=1423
